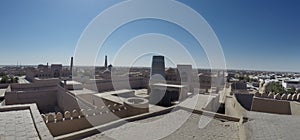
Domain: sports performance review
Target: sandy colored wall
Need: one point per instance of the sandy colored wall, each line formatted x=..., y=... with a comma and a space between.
x=43, y=99
x=68, y=126
x=33, y=86
x=99, y=102
x=93, y=118
x=271, y=106
x=106, y=85
x=295, y=108
x=213, y=105
x=234, y=108
x=67, y=101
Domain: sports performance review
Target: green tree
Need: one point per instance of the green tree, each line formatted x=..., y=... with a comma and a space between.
x=11, y=79
x=275, y=87
x=4, y=79
x=292, y=90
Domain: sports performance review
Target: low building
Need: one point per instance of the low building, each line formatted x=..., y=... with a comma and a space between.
x=287, y=84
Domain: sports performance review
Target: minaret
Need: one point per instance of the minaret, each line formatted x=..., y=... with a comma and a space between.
x=158, y=66
x=105, y=63
x=71, y=65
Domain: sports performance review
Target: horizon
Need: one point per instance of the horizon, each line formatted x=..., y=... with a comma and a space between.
x=228, y=69
x=261, y=36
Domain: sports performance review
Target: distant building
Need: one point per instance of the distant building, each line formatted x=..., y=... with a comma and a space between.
x=44, y=72
x=158, y=66
x=287, y=84
x=240, y=85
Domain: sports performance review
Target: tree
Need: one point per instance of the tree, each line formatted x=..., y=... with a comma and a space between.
x=275, y=87
x=16, y=79
x=292, y=90
x=11, y=79
x=4, y=79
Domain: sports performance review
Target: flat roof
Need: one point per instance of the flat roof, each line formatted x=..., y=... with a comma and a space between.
x=17, y=125
x=272, y=126
x=162, y=124
x=22, y=122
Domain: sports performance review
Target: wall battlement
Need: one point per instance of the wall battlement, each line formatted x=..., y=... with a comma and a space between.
x=287, y=97
x=67, y=115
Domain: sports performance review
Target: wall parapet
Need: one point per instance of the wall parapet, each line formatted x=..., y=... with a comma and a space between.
x=287, y=97
x=67, y=115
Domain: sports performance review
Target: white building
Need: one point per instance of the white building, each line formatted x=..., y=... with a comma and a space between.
x=291, y=83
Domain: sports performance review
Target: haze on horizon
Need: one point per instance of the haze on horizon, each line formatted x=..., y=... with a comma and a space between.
x=255, y=35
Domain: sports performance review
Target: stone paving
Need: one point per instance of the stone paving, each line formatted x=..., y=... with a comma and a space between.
x=190, y=129
x=17, y=125
x=264, y=126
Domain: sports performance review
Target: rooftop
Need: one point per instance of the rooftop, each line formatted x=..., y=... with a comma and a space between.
x=272, y=126
x=22, y=122
x=159, y=127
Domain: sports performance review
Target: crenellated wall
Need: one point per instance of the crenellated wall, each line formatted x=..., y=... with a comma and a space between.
x=60, y=124
x=287, y=97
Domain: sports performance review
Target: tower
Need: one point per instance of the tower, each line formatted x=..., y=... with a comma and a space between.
x=186, y=75
x=71, y=65
x=157, y=74
x=158, y=66
x=105, y=63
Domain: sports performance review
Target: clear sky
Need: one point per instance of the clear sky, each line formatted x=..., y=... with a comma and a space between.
x=256, y=34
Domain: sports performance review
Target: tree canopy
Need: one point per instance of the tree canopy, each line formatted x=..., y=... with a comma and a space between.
x=275, y=87
x=8, y=79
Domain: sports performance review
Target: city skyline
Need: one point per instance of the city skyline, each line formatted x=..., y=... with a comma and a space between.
x=254, y=35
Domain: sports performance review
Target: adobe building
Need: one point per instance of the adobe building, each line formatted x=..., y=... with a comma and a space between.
x=69, y=109
x=158, y=66
x=167, y=94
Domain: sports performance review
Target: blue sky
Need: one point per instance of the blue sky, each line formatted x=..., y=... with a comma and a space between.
x=257, y=34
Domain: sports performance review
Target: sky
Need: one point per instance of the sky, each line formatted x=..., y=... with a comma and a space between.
x=255, y=35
